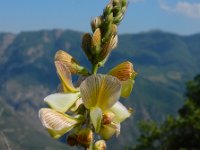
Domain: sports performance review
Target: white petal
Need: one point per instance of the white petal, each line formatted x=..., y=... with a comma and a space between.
x=57, y=123
x=96, y=117
x=100, y=90
x=60, y=101
x=120, y=111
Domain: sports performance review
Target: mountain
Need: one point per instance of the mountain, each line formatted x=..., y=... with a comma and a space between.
x=164, y=62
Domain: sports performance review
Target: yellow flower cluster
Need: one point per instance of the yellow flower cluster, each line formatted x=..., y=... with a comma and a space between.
x=93, y=106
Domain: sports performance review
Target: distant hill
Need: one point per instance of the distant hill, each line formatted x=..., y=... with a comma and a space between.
x=164, y=62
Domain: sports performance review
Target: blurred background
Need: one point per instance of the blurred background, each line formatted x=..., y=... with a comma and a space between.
x=160, y=37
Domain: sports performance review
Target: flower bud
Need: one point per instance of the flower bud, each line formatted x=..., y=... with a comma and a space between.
x=71, y=140
x=108, y=10
x=109, y=18
x=108, y=47
x=69, y=62
x=96, y=42
x=86, y=45
x=96, y=22
x=113, y=29
x=116, y=11
x=100, y=145
x=85, y=137
x=116, y=2
x=124, y=3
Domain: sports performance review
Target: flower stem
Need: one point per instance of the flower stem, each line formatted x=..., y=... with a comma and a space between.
x=94, y=69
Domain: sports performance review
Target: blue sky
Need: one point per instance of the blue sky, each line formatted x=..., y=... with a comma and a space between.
x=177, y=16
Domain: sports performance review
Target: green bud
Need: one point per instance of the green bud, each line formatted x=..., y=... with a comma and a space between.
x=109, y=18
x=124, y=3
x=113, y=29
x=123, y=10
x=118, y=18
x=116, y=2
x=107, y=10
x=116, y=10
x=96, y=22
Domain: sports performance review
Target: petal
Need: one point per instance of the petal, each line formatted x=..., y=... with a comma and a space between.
x=120, y=111
x=57, y=123
x=127, y=87
x=65, y=77
x=107, y=131
x=99, y=90
x=60, y=101
x=123, y=71
x=96, y=117
x=76, y=105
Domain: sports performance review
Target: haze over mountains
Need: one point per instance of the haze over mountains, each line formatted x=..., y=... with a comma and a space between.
x=164, y=62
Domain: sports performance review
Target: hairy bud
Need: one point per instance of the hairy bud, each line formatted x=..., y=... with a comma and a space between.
x=100, y=145
x=85, y=137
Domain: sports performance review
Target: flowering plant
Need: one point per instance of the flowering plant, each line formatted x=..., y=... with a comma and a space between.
x=91, y=113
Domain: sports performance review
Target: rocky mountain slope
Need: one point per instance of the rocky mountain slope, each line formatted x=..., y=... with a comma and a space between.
x=164, y=62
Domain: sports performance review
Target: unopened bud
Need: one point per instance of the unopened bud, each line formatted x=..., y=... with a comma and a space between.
x=71, y=140
x=96, y=22
x=124, y=3
x=118, y=18
x=116, y=2
x=108, y=47
x=123, y=9
x=113, y=29
x=109, y=18
x=107, y=10
x=96, y=41
x=100, y=145
x=85, y=137
x=86, y=45
x=69, y=62
x=116, y=11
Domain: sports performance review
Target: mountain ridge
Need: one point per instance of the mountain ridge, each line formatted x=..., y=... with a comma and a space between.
x=164, y=62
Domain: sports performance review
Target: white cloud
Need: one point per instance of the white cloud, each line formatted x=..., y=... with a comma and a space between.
x=182, y=7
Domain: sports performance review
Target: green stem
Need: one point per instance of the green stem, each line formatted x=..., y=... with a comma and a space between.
x=94, y=69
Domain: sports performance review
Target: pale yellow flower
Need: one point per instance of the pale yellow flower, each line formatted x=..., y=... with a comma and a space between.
x=126, y=74
x=100, y=94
